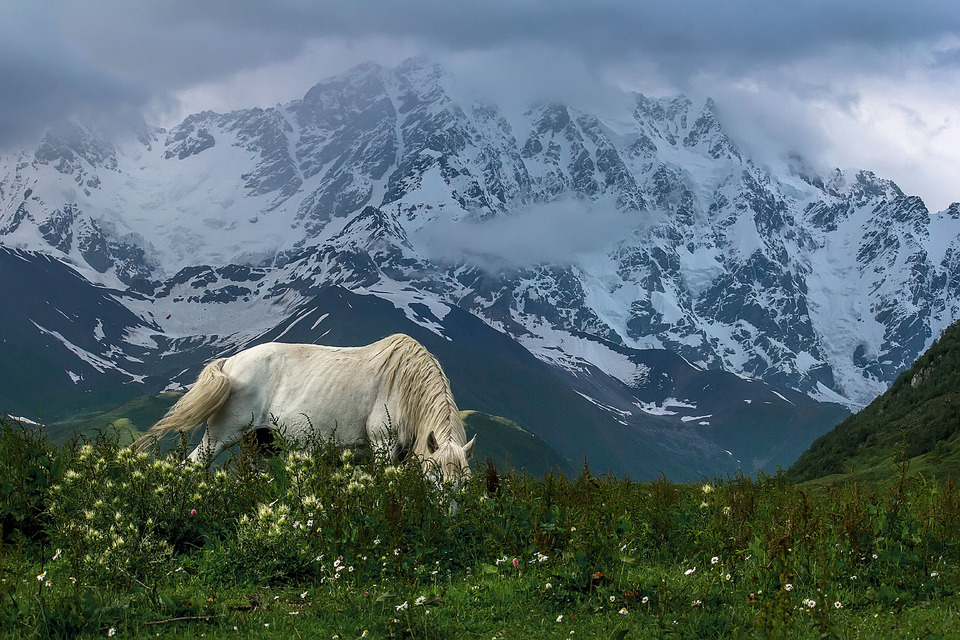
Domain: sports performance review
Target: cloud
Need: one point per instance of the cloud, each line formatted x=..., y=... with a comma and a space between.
x=562, y=233
x=172, y=44
x=684, y=36
x=802, y=73
x=45, y=81
x=282, y=81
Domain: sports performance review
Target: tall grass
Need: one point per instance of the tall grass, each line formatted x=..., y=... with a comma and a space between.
x=99, y=541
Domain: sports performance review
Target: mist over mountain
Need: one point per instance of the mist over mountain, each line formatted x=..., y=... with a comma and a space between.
x=683, y=292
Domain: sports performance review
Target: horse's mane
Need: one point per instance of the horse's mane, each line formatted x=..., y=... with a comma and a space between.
x=424, y=397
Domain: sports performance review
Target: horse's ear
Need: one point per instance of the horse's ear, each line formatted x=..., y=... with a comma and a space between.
x=432, y=445
x=468, y=448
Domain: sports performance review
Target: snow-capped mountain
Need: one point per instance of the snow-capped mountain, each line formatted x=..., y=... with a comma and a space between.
x=391, y=183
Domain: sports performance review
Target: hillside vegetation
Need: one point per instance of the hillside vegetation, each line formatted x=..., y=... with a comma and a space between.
x=98, y=541
x=508, y=445
x=131, y=418
x=916, y=422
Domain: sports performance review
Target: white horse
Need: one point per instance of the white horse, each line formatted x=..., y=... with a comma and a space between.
x=352, y=393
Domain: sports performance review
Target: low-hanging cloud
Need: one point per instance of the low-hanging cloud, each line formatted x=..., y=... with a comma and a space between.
x=46, y=82
x=170, y=45
x=557, y=233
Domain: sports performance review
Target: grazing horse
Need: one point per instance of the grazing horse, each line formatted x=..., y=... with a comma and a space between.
x=354, y=394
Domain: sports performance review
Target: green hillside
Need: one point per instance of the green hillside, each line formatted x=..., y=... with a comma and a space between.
x=917, y=420
x=134, y=416
x=510, y=445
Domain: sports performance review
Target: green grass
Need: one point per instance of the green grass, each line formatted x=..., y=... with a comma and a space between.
x=315, y=543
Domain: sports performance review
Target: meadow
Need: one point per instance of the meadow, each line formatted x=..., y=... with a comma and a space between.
x=314, y=542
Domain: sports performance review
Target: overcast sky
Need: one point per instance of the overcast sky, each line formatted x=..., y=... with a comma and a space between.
x=871, y=84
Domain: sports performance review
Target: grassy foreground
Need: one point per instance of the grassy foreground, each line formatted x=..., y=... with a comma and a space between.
x=100, y=542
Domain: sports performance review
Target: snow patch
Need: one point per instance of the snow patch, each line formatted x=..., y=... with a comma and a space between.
x=618, y=414
x=573, y=353
x=95, y=361
x=780, y=395
x=319, y=320
x=664, y=409
x=404, y=298
x=699, y=267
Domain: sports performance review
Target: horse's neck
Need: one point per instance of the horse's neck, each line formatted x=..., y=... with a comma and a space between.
x=421, y=396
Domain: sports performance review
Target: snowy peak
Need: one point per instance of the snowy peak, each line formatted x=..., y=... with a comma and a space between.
x=77, y=151
x=665, y=118
x=707, y=135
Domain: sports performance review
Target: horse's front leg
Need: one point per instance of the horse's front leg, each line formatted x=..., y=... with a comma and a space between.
x=380, y=448
x=382, y=439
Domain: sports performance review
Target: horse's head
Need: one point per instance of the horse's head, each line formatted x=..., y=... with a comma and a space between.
x=448, y=460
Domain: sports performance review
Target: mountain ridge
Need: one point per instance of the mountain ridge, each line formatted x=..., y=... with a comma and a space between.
x=825, y=284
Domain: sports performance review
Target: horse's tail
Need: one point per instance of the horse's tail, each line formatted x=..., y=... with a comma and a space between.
x=202, y=401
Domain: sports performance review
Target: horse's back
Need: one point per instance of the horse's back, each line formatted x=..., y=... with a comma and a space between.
x=304, y=386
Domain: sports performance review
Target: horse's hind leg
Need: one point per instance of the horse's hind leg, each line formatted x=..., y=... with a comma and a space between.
x=208, y=449
x=221, y=433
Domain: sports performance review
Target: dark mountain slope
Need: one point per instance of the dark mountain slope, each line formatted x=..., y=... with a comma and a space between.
x=52, y=319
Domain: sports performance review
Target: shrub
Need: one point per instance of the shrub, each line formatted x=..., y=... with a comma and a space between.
x=29, y=465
